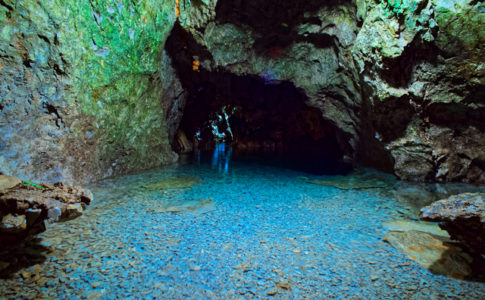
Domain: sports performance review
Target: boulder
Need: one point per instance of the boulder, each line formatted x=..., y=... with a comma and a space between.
x=463, y=216
x=24, y=207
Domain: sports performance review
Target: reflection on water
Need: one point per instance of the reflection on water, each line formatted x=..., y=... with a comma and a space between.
x=220, y=158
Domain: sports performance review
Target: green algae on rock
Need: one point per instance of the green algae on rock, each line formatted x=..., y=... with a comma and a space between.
x=89, y=73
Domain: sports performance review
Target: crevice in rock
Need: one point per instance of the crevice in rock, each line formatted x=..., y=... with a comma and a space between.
x=52, y=110
x=44, y=38
x=456, y=115
x=398, y=71
x=391, y=128
x=10, y=8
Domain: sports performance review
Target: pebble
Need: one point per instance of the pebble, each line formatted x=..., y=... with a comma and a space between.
x=272, y=292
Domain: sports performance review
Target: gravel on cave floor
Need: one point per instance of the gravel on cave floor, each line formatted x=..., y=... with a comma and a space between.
x=254, y=231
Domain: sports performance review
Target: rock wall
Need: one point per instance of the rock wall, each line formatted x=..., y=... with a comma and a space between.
x=423, y=81
x=403, y=80
x=87, y=91
x=82, y=88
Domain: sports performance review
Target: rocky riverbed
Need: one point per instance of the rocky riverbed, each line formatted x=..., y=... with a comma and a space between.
x=252, y=232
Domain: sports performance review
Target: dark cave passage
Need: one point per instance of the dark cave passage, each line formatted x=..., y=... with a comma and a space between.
x=256, y=117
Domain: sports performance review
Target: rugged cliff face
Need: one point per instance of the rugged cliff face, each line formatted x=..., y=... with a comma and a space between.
x=423, y=84
x=82, y=88
x=88, y=92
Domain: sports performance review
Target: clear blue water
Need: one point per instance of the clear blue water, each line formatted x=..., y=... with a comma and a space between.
x=269, y=233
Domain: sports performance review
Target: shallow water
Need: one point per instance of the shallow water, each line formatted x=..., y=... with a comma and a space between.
x=250, y=231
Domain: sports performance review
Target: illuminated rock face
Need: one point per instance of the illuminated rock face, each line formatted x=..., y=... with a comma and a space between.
x=82, y=88
x=88, y=91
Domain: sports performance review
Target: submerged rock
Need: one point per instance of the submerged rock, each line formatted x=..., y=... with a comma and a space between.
x=463, y=216
x=404, y=225
x=173, y=183
x=433, y=252
x=24, y=207
x=353, y=181
x=197, y=206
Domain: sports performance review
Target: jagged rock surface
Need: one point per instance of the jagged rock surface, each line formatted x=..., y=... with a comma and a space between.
x=463, y=216
x=402, y=80
x=81, y=95
x=24, y=208
x=87, y=91
x=423, y=80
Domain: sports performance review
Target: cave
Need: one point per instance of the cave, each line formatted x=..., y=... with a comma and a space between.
x=242, y=149
x=253, y=116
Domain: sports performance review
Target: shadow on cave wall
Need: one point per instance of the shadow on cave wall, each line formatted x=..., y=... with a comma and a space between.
x=257, y=117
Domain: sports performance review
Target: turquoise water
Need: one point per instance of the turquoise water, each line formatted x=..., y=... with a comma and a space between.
x=245, y=230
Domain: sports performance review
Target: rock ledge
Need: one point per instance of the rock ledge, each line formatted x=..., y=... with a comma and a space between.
x=25, y=207
x=463, y=216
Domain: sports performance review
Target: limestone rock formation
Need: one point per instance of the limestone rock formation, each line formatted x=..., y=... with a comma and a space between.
x=463, y=216
x=88, y=92
x=402, y=81
x=423, y=81
x=82, y=89
x=24, y=207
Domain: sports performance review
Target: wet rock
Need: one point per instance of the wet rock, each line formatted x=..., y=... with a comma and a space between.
x=423, y=94
x=25, y=207
x=463, y=216
x=51, y=112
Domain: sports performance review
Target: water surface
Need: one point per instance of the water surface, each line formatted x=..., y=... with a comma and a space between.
x=241, y=230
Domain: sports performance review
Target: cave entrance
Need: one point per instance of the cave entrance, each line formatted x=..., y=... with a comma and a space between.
x=251, y=116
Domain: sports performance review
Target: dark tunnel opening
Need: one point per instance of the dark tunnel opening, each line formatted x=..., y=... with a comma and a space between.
x=257, y=117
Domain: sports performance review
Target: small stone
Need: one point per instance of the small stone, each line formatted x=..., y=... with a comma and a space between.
x=95, y=295
x=272, y=292
x=194, y=268
x=13, y=224
x=25, y=274
x=95, y=284
x=283, y=285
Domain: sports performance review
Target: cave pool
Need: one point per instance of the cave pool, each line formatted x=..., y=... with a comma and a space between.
x=233, y=230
